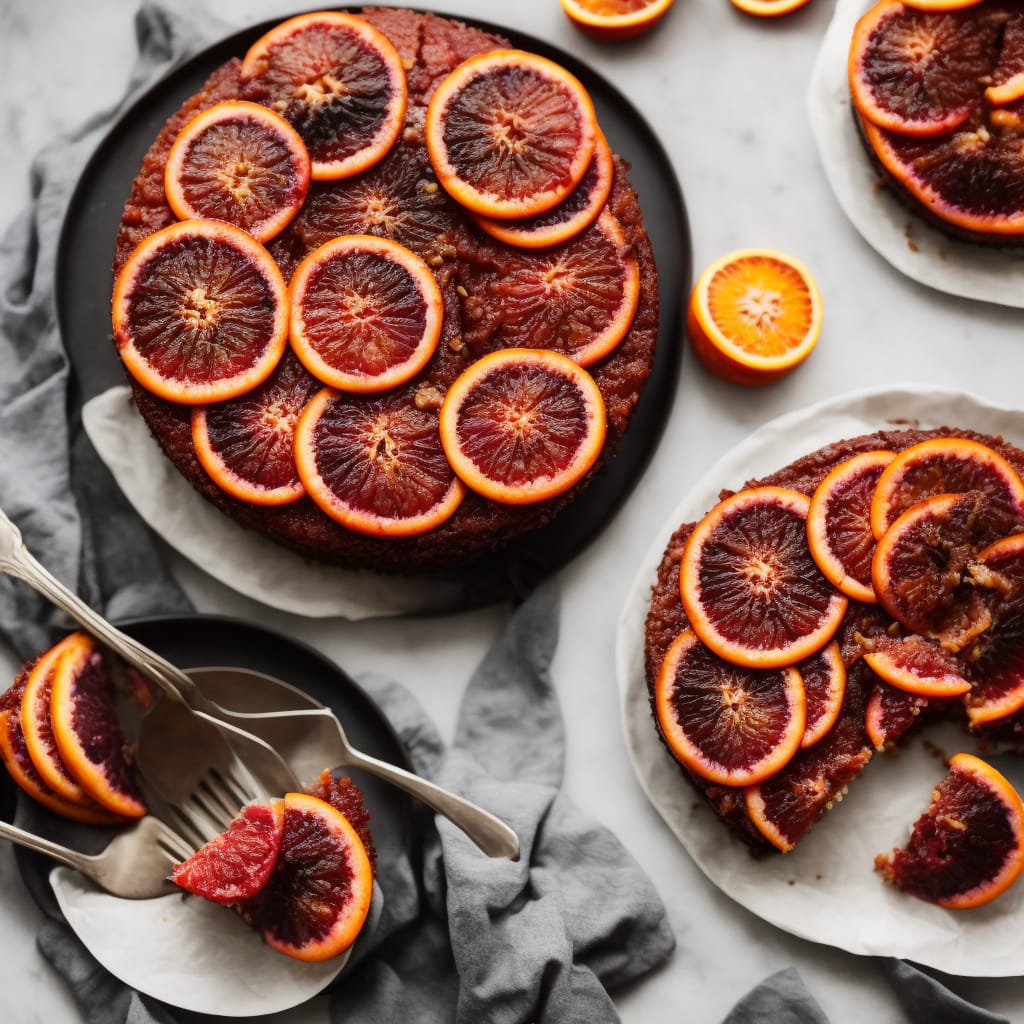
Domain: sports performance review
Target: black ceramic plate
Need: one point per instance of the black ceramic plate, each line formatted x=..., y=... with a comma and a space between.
x=192, y=641
x=84, y=283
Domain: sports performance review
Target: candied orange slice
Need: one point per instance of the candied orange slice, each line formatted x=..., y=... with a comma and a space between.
x=366, y=313
x=200, y=313
x=247, y=444
x=968, y=846
x=917, y=665
x=338, y=81
x=754, y=315
x=915, y=72
x=923, y=565
x=318, y=895
x=890, y=713
x=1008, y=74
x=87, y=731
x=839, y=523
x=510, y=133
x=727, y=724
x=374, y=463
x=824, y=677
x=615, y=20
x=749, y=585
x=569, y=217
x=950, y=465
x=241, y=163
x=522, y=425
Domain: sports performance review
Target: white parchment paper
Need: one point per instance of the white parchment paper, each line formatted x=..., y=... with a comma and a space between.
x=957, y=268
x=237, y=557
x=826, y=890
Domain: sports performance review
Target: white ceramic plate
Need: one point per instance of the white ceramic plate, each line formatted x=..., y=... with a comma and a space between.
x=826, y=890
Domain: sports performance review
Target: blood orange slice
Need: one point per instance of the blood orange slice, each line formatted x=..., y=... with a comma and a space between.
x=522, y=425
x=345, y=796
x=941, y=5
x=200, y=313
x=968, y=846
x=338, y=81
x=1008, y=75
x=366, y=313
x=922, y=569
x=996, y=665
x=236, y=865
x=768, y=8
x=917, y=665
x=578, y=298
x=241, y=163
x=749, y=585
x=247, y=445
x=578, y=211
x=510, y=134
x=754, y=315
x=318, y=895
x=727, y=724
x=87, y=731
x=891, y=712
x=839, y=523
x=615, y=20
x=950, y=465
x=824, y=677
x=374, y=463
x=916, y=72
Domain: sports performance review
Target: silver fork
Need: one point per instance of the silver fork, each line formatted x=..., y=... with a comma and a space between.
x=134, y=864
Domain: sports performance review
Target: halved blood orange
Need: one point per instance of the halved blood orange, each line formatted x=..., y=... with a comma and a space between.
x=916, y=72
x=318, y=895
x=36, y=727
x=768, y=8
x=374, y=463
x=236, y=864
x=247, y=444
x=1008, y=75
x=522, y=425
x=338, y=81
x=950, y=465
x=754, y=315
x=578, y=298
x=366, y=313
x=574, y=213
x=749, y=585
x=922, y=566
x=510, y=133
x=727, y=724
x=968, y=846
x=87, y=730
x=824, y=676
x=917, y=665
x=615, y=20
x=238, y=162
x=839, y=523
x=200, y=312
x=996, y=664
x=890, y=713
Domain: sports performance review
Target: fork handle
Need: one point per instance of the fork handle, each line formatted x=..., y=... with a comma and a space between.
x=72, y=858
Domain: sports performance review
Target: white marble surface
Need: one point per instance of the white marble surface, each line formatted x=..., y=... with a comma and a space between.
x=726, y=94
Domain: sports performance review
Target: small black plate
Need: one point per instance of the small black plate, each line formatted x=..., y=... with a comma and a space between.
x=84, y=283
x=193, y=641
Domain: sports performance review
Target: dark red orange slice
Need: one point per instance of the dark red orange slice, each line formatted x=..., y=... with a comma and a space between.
x=522, y=425
x=366, y=313
x=890, y=714
x=615, y=20
x=968, y=846
x=574, y=213
x=950, y=465
x=241, y=163
x=510, y=134
x=338, y=81
x=922, y=566
x=839, y=523
x=1008, y=75
x=200, y=313
x=87, y=730
x=236, y=865
x=749, y=585
x=247, y=444
x=727, y=724
x=917, y=665
x=916, y=72
x=824, y=677
x=318, y=895
x=374, y=463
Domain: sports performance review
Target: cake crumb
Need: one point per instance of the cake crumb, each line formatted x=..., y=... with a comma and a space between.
x=428, y=397
x=908, y=233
